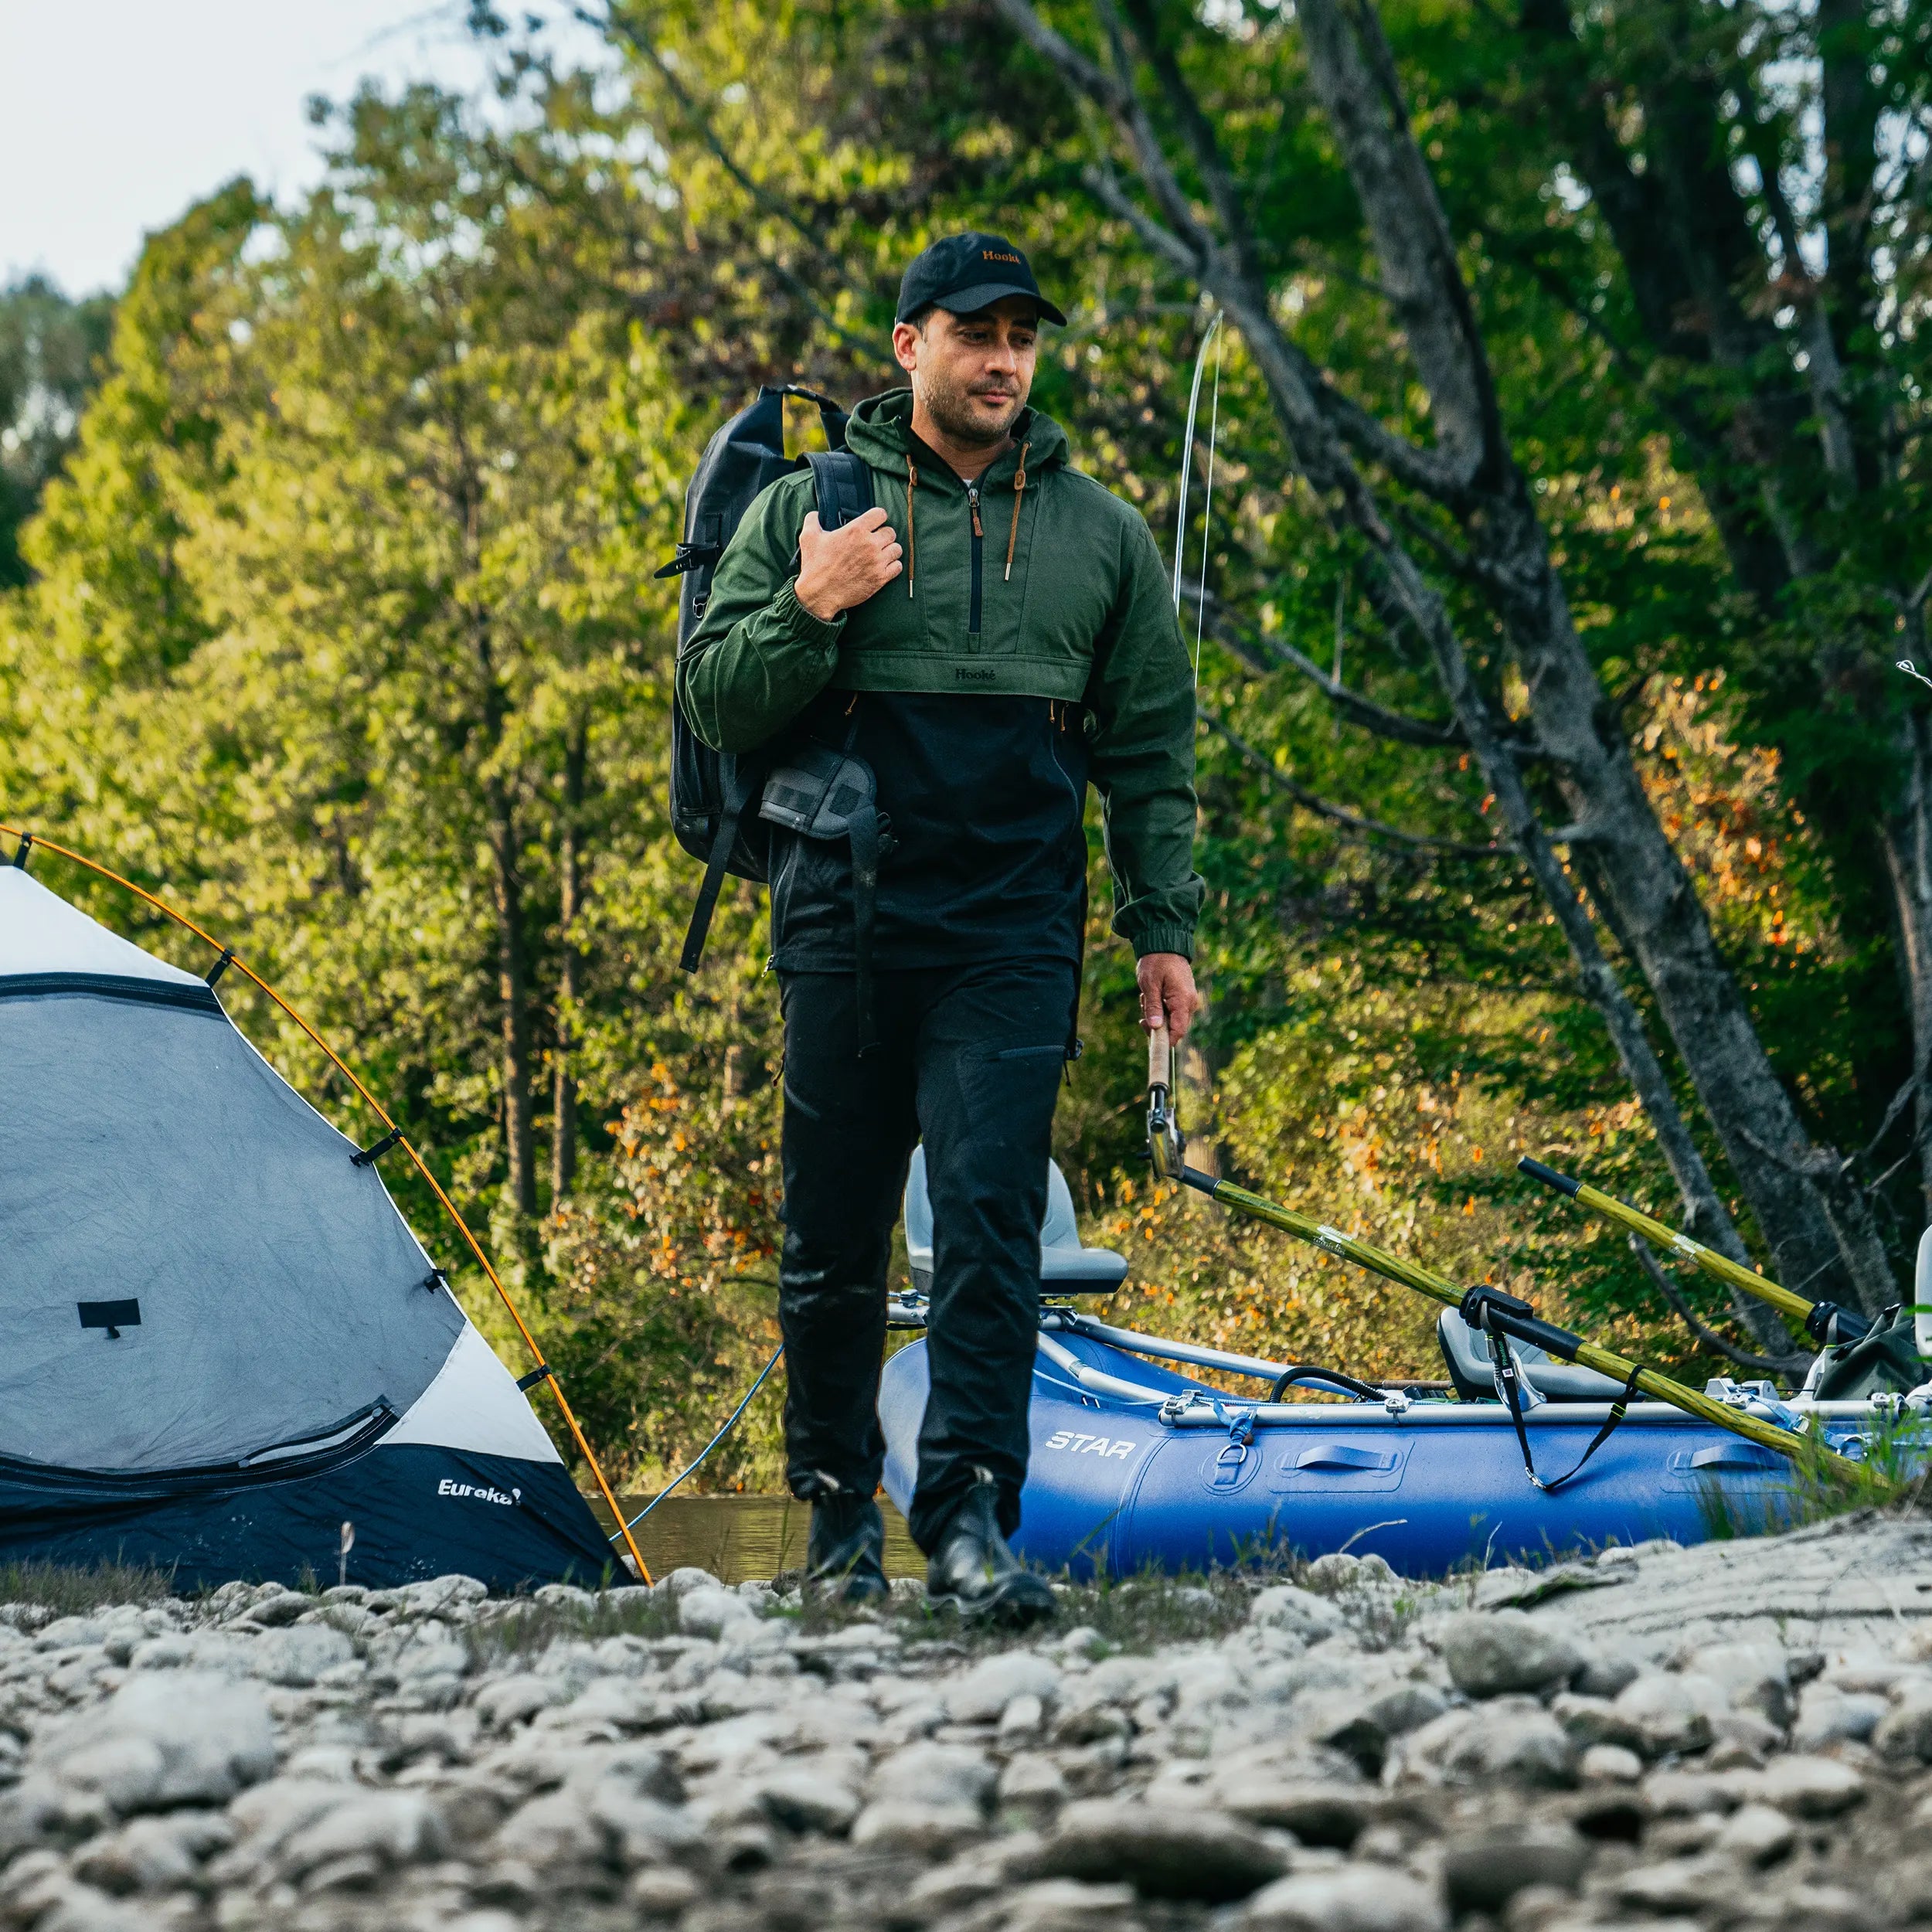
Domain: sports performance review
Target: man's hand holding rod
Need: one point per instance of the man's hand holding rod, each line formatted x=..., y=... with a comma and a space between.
x=1167, y=996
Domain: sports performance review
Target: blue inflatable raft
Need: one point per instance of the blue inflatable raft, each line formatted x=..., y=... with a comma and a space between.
x=1136, y=1465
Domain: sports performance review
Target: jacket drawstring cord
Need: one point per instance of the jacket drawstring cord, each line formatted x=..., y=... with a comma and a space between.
x=1012, y=528
x=912, y=537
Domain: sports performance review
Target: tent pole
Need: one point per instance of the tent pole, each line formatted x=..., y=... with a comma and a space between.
x=376, y=1107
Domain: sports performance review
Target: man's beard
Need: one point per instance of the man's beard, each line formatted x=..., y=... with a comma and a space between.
x=952, y=410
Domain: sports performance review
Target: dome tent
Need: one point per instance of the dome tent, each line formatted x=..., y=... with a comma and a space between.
x=219, y=1341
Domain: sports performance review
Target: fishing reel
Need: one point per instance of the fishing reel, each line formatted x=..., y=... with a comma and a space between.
x=1165, y=1146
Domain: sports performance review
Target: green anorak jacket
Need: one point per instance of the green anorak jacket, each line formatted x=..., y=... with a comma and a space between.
x=1036, y=581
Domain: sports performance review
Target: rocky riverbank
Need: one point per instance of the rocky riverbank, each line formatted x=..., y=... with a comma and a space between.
x=1738, y=1736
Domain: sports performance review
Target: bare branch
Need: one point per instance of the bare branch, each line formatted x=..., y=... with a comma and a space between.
x=1341, y=815
x=774, y=206
x=1246, y=643
x=1353, y=71
x=1229, y=210
x=1794, y=1365
x=1084, y=75
x=610, y=23
x=1428, y=470
x=1179, y=239
x=1105, y=186
x=1897, y=1105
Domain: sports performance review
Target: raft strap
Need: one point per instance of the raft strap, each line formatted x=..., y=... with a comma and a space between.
x=1499, y=1316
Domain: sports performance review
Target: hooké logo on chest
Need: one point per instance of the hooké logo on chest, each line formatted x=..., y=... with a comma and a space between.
x=1079, y=1445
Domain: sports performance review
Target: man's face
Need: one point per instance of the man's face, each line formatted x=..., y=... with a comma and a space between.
x=972, y=372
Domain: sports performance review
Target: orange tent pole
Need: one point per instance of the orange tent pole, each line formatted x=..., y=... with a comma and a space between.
x=402, y=1140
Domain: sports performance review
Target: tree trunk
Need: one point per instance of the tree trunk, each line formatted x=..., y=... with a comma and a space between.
x=740, y=1069
x=1908, y=859
x=1819, y=1227
x=1818, y=1233
x=563, y=1097
x=513, y=996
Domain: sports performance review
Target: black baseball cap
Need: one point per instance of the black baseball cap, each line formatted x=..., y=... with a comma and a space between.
x=965, y=273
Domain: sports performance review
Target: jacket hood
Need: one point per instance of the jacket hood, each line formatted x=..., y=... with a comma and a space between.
x=880, y=431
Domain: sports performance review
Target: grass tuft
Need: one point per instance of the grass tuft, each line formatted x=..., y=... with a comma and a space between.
x=1141, y=1613
x=524, y=1626
x=72, y=1591
x=1888, y=1470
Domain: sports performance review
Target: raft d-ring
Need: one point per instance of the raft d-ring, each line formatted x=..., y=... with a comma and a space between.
x=1233, y=1459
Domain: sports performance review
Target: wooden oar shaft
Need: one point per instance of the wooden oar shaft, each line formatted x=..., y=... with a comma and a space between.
x=1719, y=1267
x=1587, y=1354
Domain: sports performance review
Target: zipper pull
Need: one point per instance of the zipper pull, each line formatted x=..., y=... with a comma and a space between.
x=972, y=497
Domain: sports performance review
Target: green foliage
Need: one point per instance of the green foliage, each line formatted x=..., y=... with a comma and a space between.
x=342, y=634
x=49, y=350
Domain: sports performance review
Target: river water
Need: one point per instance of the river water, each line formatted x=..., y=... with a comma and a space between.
x=737, y=1537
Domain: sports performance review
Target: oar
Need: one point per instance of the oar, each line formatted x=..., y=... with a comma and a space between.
x=1825, y=1322
x=1482, y=1308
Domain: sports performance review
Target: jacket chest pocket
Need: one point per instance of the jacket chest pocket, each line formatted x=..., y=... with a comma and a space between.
x=1063, y=607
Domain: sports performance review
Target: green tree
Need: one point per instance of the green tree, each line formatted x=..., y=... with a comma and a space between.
x=50, y=347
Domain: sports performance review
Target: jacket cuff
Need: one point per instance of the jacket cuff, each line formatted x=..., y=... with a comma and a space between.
x=799, y=623
x=1163, y=939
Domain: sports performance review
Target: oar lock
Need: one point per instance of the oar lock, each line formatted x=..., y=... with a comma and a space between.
x=1828, y=1324
x=1758, y=1398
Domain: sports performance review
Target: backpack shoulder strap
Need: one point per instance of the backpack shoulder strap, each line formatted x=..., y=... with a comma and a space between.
x=842, y=482
x=742, y=775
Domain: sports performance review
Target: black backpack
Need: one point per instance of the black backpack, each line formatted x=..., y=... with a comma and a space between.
x=710, y=790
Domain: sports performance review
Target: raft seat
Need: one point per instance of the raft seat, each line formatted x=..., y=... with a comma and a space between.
x=1065, y=1267
x=1471, y=1369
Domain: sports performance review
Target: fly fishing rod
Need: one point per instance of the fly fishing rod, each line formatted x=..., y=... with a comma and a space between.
x=1504, y=1316
x=1825, y=1322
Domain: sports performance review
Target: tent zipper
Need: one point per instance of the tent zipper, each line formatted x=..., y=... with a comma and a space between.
x=972, y=499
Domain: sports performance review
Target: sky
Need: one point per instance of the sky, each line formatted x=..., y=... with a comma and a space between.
x=116, y=114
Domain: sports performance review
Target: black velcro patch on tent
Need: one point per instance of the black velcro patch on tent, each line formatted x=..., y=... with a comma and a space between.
x=113, y=1316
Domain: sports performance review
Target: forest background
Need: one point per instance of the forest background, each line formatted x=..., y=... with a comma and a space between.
x=1559, y=792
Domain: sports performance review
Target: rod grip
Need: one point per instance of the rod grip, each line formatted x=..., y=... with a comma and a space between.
x=1548, y=1176
x=1159, y=1058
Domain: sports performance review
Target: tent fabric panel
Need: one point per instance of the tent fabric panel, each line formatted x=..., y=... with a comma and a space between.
x=41, y=932
x=151, y=1153
x=474, y=1404
x=408, y=1526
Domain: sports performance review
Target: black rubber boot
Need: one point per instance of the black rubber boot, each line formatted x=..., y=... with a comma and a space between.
x=972, y=1569
x=845, y=1558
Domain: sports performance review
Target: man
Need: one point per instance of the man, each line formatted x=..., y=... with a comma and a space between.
x=994, y=632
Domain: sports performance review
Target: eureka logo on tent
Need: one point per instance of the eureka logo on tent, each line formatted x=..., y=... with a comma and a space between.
x=447, y=1488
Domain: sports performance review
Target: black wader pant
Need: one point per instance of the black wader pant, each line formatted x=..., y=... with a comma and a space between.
x=969, y=1060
